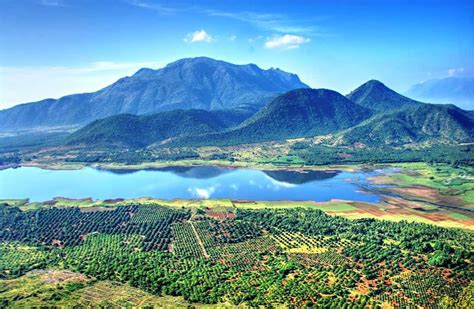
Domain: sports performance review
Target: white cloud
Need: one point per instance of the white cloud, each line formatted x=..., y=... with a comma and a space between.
x=28, y=84
x=455, y=72
x=198, y=36
x=204, y=193
x=232, y=38
x=287, y=41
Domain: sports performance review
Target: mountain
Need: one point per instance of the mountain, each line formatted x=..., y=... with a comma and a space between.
x=193, y=83
x=432, y=123
x=297, y=113
x=378, y=97
x=455, y=90
x=126, y=130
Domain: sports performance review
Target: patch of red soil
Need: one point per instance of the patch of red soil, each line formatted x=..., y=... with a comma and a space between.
x=468, y=222
x=418, y=191
x=220, y=215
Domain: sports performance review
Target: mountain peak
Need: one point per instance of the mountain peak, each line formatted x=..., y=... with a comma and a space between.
x=374, y=83
x=297, y=113
x=375, y=95
x=190, y=83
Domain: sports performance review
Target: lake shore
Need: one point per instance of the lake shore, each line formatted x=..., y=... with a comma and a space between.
x=390, y=208
x=196, y=163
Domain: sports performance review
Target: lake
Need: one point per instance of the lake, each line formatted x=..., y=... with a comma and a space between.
x=185, y=182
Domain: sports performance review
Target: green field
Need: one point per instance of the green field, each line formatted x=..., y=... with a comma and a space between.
x=212, y=253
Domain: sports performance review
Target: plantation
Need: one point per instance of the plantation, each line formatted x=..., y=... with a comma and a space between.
x=139, y=254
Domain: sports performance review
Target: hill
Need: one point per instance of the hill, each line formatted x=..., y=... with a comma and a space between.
x=128, y=130
x=378, y=97
x=297, y=113
x=194, y=83
x=455, y=90
x=431, y=123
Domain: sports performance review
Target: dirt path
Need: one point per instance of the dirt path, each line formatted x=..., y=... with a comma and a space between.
x=200, y=242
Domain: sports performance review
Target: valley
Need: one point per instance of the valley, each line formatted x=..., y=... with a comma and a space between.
x=209, y=184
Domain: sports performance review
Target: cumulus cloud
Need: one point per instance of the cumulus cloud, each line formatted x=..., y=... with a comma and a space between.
x=198, y=36
x=287, y=41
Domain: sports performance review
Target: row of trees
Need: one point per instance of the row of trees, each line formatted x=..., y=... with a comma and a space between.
x=69, y=226
x=389, y=259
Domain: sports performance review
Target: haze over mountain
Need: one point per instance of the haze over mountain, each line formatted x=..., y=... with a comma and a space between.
x=454, y=90
x=378, y=97
x=192, y=83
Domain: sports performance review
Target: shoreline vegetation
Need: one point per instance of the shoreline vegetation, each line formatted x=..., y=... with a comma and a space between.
x=438, y=194
x=365, y=260
x=245, y=245
x=416, y=197
x=385, y=210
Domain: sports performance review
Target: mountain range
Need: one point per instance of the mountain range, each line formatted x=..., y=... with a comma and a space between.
x=454, y=90
x=297, y=113
x=192, y=83
x=214, y=103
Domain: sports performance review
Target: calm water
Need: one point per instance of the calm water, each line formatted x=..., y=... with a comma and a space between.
x=183, y=182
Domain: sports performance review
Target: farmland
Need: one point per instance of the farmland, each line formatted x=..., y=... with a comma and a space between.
x=205, y=253
x=412, y=248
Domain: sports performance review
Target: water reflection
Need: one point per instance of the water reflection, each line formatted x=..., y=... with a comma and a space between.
x=207, y=172
x=300, y=177
x=184, y=182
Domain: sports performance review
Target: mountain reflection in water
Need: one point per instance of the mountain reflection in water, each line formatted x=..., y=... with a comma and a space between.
x=201, y=182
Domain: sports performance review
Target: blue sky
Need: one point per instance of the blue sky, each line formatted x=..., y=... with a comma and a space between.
x=50, y=48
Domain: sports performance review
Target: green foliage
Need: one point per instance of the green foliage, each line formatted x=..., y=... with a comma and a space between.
x=424, y=123
x=68, y=226
x=297, y=113
x=295, y=257
x=376, y=96
x=140, y=131
x=322, y=155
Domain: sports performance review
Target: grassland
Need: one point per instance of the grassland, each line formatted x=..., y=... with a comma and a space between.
x=61, y=288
